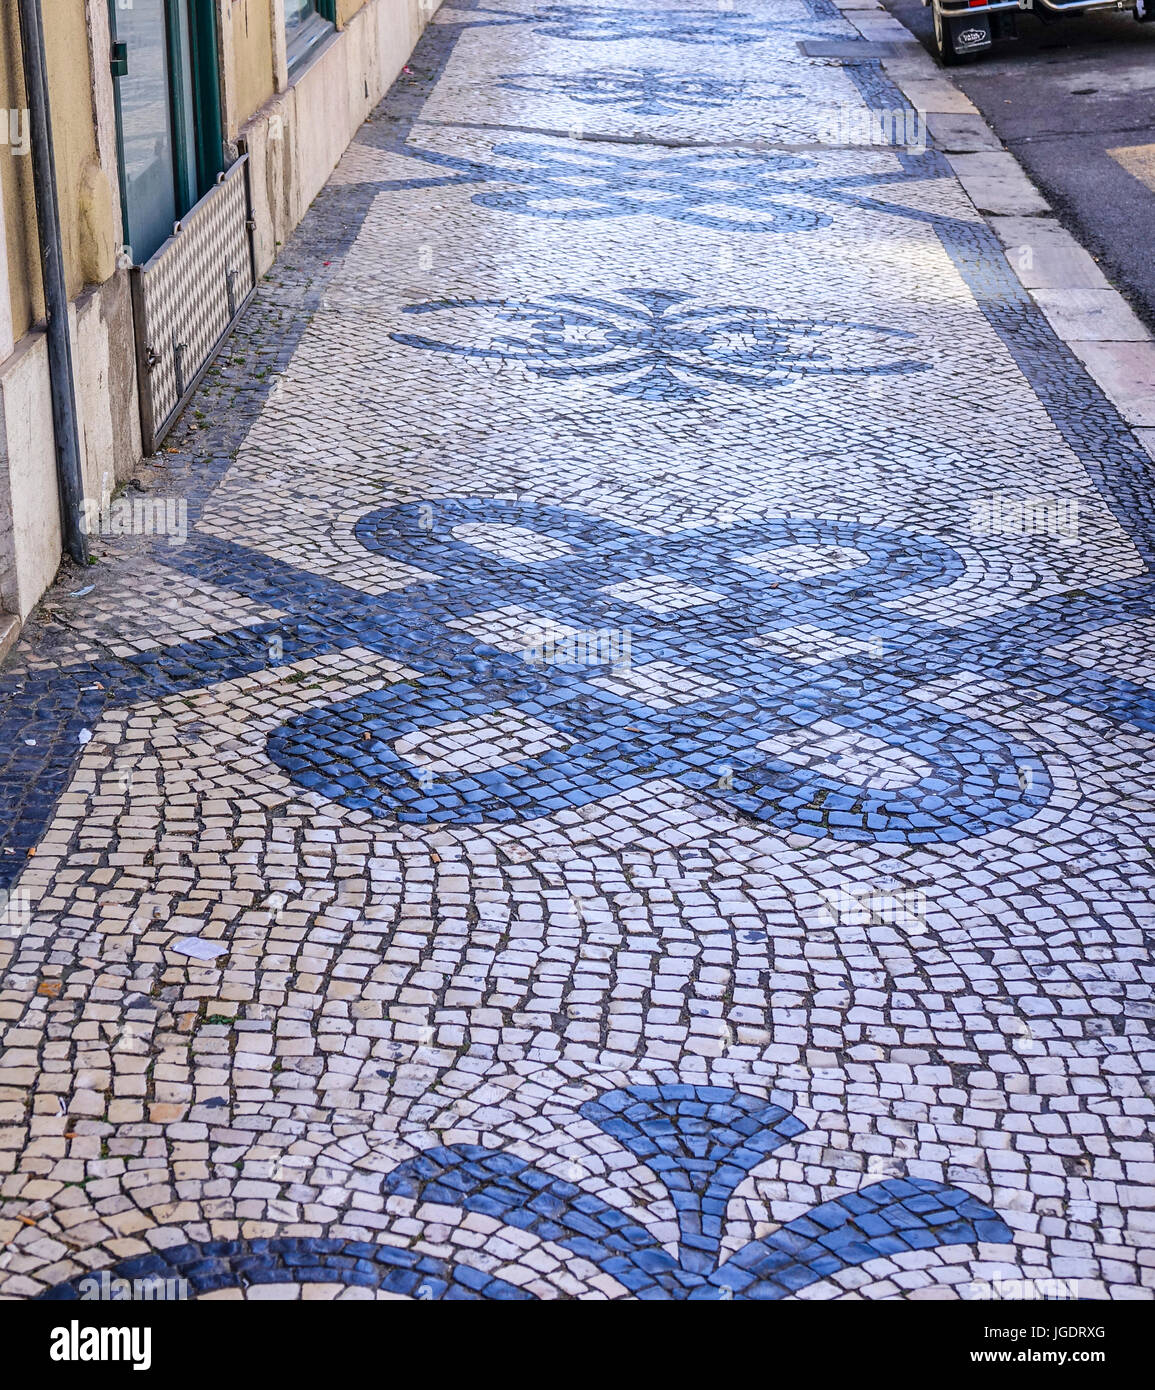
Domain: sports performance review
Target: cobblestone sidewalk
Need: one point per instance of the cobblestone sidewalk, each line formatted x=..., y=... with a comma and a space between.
x=629, y=772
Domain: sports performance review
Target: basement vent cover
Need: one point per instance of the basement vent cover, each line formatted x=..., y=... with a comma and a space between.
x=188, y=296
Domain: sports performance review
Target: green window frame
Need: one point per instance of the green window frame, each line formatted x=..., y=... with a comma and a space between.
x=308, y=26
x=208, y=144
x=192, y=47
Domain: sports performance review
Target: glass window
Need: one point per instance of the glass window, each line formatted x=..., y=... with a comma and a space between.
x=308, y=23
x=169, y=114
x=146, y=125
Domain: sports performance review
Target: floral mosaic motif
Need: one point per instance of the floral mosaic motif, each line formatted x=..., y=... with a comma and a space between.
x=701, y=1142
x=728, y=191
x=660, y=345
x=647, y=91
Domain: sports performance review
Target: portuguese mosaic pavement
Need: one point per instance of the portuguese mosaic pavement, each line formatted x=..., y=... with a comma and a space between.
x=637, y=781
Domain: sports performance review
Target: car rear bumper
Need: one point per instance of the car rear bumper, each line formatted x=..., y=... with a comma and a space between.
x=957, y=8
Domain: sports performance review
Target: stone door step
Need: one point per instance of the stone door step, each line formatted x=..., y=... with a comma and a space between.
x=853, y=50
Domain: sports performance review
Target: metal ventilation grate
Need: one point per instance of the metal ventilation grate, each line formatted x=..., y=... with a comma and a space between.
x=188, y=296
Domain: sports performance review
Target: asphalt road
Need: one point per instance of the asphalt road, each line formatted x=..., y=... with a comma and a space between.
x=1063, y=96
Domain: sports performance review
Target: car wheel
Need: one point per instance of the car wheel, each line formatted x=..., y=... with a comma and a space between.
x=944, y=40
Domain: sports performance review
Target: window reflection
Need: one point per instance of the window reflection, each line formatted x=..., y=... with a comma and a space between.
x=305, y=30
x=296, y=11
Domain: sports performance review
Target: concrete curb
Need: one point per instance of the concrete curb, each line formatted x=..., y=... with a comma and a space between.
x=1085, y=311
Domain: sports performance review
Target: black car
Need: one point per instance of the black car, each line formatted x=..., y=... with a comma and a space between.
x=968, y=28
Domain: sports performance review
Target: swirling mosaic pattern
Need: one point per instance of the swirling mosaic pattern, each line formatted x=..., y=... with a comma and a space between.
x=646, y=91
x=725, y=696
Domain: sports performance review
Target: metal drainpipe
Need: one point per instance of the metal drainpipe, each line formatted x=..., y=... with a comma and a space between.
x=68, y=471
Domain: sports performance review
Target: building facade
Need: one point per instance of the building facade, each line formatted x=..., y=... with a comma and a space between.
x=188, y=137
